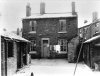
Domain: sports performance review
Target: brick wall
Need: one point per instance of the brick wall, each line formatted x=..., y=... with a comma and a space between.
x=49, y=28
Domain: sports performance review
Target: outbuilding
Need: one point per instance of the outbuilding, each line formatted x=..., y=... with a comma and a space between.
x=14, y=53
x=91, y=52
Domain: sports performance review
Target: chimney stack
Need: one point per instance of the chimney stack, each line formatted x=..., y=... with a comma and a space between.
x=42, y=8
x=28, y=10
x=73, y=8
x=95, y=16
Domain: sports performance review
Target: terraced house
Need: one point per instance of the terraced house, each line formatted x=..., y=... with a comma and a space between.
x=90, y=30
x=50, y=33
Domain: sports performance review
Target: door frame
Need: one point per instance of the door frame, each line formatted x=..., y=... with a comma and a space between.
x=42, y=44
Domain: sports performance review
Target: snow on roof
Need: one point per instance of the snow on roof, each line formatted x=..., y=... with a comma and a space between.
x=85, y=25
x=88, y=24
x=12, y=36
x=92, y=39
x=50, y=15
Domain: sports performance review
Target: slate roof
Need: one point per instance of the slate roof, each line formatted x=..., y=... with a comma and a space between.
x=50, y=15
x=12, y=36
x=92, y=39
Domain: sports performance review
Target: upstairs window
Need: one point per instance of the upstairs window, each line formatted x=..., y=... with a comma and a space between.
x=80, y=30
x=85, y=30
x=97, y=24
x=96, y=32
x=81, y=35
x=33, y=25
x=62, y=25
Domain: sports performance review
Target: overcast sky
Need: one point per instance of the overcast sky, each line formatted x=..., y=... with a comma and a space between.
x=12, y=11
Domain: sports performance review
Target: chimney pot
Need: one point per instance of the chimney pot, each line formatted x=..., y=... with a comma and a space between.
x=28, y=10
x=42, y=8
x=95, y=16
x=73, y=8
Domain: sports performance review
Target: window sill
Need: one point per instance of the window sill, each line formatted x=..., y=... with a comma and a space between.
x=63, y=32
x=62, y=52
x=32, y=32
x=33, y=52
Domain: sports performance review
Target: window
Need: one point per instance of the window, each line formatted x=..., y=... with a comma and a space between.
x=33, y=25
x=80, y=30
x=62, y=25
x=96, y=32
x=10, y=49
x=63, y=44
x=33, y=45
x=97, y=24
x=81, y=35
x=85, y=30
x=85, y=38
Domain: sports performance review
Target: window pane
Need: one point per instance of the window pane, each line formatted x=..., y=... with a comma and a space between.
x=64, y=48
x=30, y=23
x=33, y=45
x=33, y=25
x=33, y=28
x=63, y=44
x=61, y=47
x=62, y=25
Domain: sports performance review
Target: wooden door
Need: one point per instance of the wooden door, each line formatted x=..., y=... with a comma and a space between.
x=18, y=56
x=45, y=48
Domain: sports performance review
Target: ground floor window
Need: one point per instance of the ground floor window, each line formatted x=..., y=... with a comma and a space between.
x=63, y=45
x=33, y=45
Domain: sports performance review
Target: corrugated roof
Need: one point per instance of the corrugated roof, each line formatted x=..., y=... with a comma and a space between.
x=92, y=39
x=52, y=15
x=12, y=36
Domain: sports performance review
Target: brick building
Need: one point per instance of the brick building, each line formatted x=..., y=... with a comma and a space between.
x=90, y=30
x=84, y=32
x=14, y=53
x=46, y=30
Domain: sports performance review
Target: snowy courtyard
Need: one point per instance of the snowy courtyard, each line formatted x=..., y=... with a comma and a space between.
x=55, y=67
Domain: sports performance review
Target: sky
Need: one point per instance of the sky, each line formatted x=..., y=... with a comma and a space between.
x=12, y=11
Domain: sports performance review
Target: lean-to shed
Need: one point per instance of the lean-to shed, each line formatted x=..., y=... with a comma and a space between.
x=91, y=51
x=14, y=53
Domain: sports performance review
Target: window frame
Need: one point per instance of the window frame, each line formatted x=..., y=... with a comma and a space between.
x=96, y=32
x=62, y=43
x=97, y=24
x=33, y=24
x=33, y=45
x=62, y=25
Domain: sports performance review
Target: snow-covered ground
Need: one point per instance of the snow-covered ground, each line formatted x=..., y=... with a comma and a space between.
x=55, y=67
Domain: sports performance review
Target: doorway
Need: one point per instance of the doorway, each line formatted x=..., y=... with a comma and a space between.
x=45, y=48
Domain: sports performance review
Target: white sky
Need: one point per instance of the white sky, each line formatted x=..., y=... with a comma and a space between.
x=12, y=11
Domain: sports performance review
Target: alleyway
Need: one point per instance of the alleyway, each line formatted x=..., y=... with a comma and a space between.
x=54, y=67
